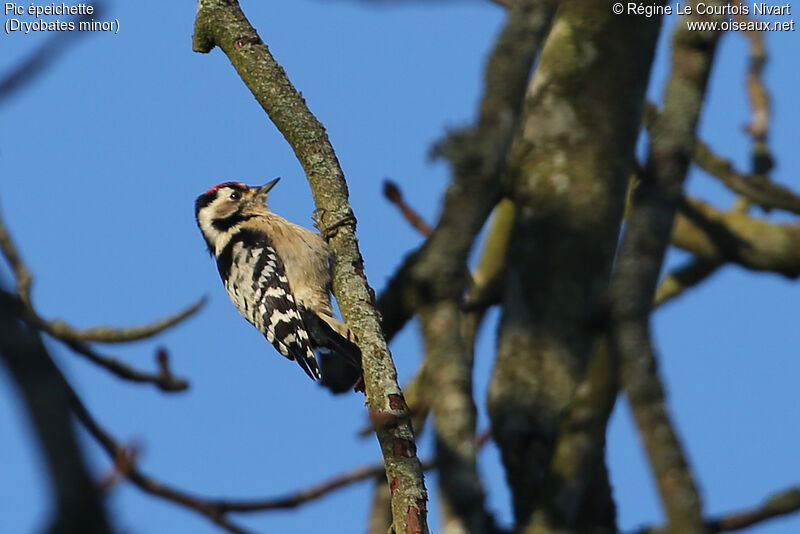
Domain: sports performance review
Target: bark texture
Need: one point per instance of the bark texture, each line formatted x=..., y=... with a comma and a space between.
x=567, y=176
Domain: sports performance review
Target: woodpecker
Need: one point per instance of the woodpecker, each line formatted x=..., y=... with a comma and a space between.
x=277, y=274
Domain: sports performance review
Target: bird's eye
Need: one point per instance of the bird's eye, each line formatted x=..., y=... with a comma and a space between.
x=236, y=195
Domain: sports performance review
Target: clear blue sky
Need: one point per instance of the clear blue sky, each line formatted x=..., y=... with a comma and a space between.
x=101, y=160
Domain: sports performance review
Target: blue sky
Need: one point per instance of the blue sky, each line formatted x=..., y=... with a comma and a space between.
x=101, y=160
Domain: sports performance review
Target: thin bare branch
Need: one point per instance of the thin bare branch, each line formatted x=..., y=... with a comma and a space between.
x=126, y=459
x=21, y=273
x=685, y=277
x=779, y=504
x=76, y=339
x=216, y=509
x=164, y=381
x=393, y=194
x=756, y=187
x=758, y=95
x=109, y=334
x=144, y=482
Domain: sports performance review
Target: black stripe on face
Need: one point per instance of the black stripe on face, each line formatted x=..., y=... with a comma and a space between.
x=208, y=197
x=223, y=225
x=251, y=239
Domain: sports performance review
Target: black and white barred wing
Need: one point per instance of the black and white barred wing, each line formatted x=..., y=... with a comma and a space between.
x=257, y=284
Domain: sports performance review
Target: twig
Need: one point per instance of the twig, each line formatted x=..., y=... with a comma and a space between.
x=222, y=23
x=21, y=273
x=60, y=329
x=781, y=503
x=756, y=187
x=393, y=194
x=759, y=100
x=163, y=380
x=76, y=339
x=215, y=509
x=109, y=334
x=689, y=275
x=124, y=462
x=144, y=482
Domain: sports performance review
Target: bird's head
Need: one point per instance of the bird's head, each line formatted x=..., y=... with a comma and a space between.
x=225, y=205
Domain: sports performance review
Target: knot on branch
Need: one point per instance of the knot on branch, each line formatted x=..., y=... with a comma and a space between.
x=241, y=42
x=329, y=231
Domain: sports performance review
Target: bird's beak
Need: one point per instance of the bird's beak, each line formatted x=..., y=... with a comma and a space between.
x=264, y=189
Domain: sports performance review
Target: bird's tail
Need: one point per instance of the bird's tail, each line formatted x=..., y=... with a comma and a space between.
x=339, y=355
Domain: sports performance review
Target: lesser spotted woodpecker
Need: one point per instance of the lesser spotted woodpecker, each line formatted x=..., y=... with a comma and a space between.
x=277, y=274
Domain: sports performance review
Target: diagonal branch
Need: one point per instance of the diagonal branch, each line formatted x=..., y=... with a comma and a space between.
x=735, y=237
x=216, y=510
x=783, y=503
x=164, y=380
x=756, y=187
x=394, y=195
x=222, y=23
x=22, y=275
x=109, y=334
x=779, y=504
x=685, y=277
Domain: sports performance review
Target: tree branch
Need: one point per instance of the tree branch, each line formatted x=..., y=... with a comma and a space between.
x=756, y=187
x=735, y=237
x=641, y=255
x=222, y=23
x=394, y=195
x=759, y=100
x=76, y=339
x=165, y=381
x=46, y=396
x=567, y=177
x=478, y=158
x=110, y=334
x=782, y=503
x=687, y=276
